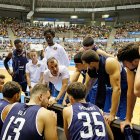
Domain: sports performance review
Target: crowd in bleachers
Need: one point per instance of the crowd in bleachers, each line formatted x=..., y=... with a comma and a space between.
x=123, y=31
x=3, y=30
x=30, y=34
x=101, y=32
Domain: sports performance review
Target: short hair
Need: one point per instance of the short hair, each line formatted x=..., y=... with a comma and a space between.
x=129, y=52
x=17, y=41
x=49, y=31
x=77, y=57
x=77, y=90
x=10, y=89
x=51, y=59
x=2, y=76
x=90, y=56
x=39, y=88
x=88, y=41
x=33, y=50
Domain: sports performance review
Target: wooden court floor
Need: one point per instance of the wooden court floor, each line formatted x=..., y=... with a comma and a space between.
x=136, y=113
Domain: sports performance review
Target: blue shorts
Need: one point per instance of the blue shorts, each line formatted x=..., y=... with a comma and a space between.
x=121, y=113
x=91, y=97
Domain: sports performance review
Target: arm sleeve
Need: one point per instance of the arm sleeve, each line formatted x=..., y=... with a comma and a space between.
x=6, y=62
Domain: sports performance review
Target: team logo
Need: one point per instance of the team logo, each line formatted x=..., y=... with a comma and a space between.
x=55, y=48
x=38, y=65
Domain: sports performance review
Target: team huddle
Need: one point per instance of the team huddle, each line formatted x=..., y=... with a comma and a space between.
x=48, y=82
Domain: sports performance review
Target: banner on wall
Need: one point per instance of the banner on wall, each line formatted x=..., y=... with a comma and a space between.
x=37, y=47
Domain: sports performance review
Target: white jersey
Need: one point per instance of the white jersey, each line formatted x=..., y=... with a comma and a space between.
x=58, y=52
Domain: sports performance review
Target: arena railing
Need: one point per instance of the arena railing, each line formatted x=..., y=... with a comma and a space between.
x=115, y=125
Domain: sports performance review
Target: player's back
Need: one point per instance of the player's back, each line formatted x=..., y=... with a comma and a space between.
x=21, y=123
x=87, y=123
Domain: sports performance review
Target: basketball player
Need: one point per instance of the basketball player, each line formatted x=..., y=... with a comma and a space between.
x=129, y=56
x=30, y=121
x=83, y=120
x=110, y=74
x=19, y=60
x=11, y=94
x=80, y=68
x=88, y=44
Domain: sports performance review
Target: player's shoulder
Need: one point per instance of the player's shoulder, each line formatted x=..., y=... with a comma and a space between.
x=45, y=113
x=111, y=60
x=67, y=111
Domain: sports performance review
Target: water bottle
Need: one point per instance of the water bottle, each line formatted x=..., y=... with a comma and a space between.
x=128, y=133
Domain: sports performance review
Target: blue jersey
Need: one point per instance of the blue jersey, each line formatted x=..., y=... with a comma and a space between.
x=20, y=123
x=3, y=104
x=87, y=123
x=19, y=64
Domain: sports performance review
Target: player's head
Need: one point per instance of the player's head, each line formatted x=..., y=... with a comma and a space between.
x=76, y=92
x=18, y=44
x=129, y=55
x=88, y=43
x=53, y=66
x=78, y=62
x=91, y=58
x=2, y=78
x=49, y=35
x=40, y=94
x=11, y=91
x=33, y=55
